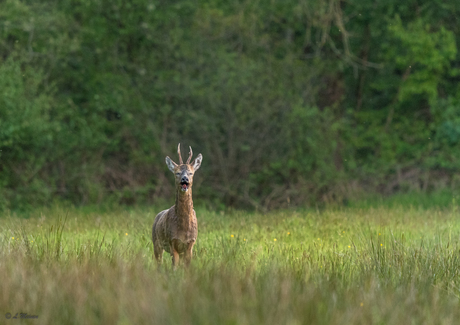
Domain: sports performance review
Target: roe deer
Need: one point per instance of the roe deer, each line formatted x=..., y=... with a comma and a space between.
x=175, y=229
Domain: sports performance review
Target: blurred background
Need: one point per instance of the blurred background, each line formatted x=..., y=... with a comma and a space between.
x=291, y=103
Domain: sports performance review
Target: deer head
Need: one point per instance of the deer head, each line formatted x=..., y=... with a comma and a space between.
x=184, y=172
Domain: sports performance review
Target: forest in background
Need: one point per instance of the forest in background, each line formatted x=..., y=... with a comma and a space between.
x=291, y=103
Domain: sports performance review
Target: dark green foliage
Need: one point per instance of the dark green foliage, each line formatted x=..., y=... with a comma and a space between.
x=289, y=102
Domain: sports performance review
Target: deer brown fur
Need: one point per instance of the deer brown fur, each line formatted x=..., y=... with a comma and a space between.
x=175, y=230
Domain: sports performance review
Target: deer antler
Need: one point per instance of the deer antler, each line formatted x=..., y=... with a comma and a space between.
x=189, y=155
x=180, y=157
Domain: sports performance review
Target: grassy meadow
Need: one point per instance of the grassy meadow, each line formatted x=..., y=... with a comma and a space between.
x=356, y=265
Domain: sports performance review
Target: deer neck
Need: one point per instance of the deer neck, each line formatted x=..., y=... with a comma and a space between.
x=184, y=205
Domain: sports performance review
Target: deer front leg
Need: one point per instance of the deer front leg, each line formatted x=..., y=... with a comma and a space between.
x=189, y=254
x=175, y=259
x=175, y=254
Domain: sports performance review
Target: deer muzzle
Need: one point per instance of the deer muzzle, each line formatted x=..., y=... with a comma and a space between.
x=184, y=184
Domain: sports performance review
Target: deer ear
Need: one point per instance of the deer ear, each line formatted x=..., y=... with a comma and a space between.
x=171, y=164
x=197, y=162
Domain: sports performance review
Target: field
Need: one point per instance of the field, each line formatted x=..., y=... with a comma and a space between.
x=368, y=265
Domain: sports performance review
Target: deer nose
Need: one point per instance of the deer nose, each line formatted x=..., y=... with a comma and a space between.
x=184, y=179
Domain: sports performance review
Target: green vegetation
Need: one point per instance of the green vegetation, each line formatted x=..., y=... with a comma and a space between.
x=336, y=266
x=291, y=103
x=307, y=114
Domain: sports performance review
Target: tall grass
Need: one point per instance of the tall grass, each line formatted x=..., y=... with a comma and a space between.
x=351, y=266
